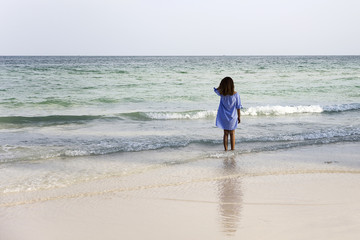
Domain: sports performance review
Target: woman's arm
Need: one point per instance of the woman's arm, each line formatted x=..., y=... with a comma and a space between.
x=238, y=112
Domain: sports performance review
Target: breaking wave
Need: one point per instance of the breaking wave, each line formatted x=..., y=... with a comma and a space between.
x=198, y=114
x=185, y=115
x=287, y=110
x=72, y=147
x=251, y=111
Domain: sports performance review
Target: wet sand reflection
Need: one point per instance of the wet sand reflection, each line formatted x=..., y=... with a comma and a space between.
x=230, y=197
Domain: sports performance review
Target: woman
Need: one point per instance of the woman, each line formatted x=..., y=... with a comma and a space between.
x=228, y=115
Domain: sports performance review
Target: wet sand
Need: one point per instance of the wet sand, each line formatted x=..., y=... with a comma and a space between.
x=302, y=193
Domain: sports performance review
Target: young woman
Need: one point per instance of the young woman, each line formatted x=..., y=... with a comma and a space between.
x=228, y=115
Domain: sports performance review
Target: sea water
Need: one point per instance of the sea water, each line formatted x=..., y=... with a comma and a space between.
x=58, y=112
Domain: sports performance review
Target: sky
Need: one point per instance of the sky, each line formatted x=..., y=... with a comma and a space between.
x=179, y=27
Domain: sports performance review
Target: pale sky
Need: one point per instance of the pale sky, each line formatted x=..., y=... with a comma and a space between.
x=179, y=27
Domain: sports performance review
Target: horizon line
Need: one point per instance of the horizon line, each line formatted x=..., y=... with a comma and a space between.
x=180, y=55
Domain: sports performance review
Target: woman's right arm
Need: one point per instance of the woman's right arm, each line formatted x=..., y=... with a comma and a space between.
x=216, y=91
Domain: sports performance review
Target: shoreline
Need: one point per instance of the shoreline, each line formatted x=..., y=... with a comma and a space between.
x=299, y=193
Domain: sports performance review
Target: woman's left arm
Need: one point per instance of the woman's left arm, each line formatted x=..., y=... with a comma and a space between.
x=238, y=107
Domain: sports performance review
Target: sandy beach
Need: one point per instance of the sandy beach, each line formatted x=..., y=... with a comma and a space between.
x=304, y=193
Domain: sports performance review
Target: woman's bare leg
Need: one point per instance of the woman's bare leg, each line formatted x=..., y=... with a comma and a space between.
x=232, y=139
x=225, y=140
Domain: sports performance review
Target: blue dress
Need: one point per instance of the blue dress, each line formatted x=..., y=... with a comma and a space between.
x=227, y=115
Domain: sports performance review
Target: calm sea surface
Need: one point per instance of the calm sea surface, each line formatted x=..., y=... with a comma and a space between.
x=60, y=109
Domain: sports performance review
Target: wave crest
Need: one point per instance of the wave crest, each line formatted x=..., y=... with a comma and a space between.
x=186, y=115
x=281, y=110
x=190, y=115
x=251, y=111
x=287, y=110
x=73, y=147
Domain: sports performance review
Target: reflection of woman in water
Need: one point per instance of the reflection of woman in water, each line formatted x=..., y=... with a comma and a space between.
x=230, y=197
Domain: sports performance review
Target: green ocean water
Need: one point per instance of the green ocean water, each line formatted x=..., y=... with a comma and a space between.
x=62, y=107
x=68, y=83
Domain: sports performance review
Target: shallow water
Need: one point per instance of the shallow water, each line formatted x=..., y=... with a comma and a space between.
x=54, y=110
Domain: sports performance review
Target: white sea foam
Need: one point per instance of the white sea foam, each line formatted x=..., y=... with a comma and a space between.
x=276, y=110
x=252, y=111
x=285, y=110
x=181, y=115
x=281, y=110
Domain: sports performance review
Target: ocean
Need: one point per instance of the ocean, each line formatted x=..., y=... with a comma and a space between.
x=60, y=117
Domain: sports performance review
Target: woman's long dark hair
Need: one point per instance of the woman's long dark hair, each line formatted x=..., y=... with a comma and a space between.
x=226, y=86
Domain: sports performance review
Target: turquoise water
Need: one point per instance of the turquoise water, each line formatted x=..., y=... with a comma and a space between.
x=56, y=108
